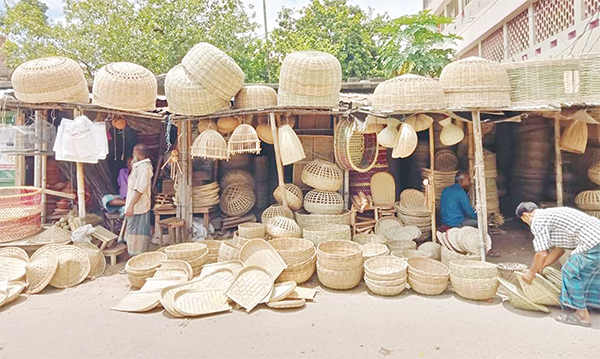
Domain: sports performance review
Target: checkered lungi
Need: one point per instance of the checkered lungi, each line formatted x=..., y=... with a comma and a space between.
x=581, y=280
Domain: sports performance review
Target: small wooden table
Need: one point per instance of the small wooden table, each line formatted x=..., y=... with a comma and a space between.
x=171, y=212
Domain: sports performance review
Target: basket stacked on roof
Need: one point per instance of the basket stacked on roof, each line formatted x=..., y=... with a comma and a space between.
x=474, y=280
x=413, y=211
x=462, y=243
x=339, y=264
x=125, y=86
x=300, y=257
x=386, y=275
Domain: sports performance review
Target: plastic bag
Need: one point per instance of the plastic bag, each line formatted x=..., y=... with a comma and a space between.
x=83, y=234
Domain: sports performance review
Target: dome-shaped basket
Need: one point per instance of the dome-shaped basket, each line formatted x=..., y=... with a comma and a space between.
x=243, y=140
x=210, y=144
x=408, y=93
x=594, y=173
x=322, y=175
x=255, y=97
x=311, y=73
x=274, y=211
x=588, y=200
x=291, y=149
x=237, y=200
x=354, y=151
x=50, y=79
x=323, y=202
x=331, y=232
x=293, y=196
x=125, y=86
x=186, y=96
x=214, y=69
x=237, y=176
x=227, y=124
x=475, y=82
x=283, y=227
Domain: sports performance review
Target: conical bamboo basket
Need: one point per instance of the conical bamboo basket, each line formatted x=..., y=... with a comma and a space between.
x=290, y=146
x=406, y=142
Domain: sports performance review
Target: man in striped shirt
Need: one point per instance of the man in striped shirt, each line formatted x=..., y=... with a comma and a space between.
x=557, y=229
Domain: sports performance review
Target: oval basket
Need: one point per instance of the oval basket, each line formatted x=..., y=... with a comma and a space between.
x=323, y=202
x=322, y=175
x=252, y=230
x=331, y=232
x=186, y=251
x=354, y=151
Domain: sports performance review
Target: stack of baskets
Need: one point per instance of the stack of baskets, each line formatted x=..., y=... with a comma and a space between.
x=461, y=243
x=427, y=276
x=441, y=180
x=386, y=275
x=20, y=212
x=299, y=255
x=412, y=211
x=213, y=250
x=329, y=232
x=143, y=266
x=339, y=264
x=194, y=253
x=327, y=179
x=474, y=280
x=310, y=79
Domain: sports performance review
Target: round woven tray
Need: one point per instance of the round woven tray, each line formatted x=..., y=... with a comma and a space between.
x=73, y=266
x=258, y=252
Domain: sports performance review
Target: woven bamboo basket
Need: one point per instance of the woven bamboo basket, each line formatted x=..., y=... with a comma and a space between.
x=475, y=82
x=354, y=151
x=125, y=86
x=448, y=256
x=433, y=248
x=467, y=269
x=243, y=140
x=451, y=134
x=420, y=122
x=283, y=227
x=264, y=132
x=518, y=299
x=299, y=273
x=388, y=137
x=396, y=246
x=323, y=202
x=385, y=288
x=20, y=212
x=590, y=78
x=292, y=151
x=50, y=79
x=255, y=97
x=228, y=252
x=339, y=279
x=305, y=219
x=406, y=142
x=289, y=99
x=274, y=211
x=367, y=238
x=386, y=268
x=507, y=271
x=575, y=137
x=588, y=200
x=210, y=144
x=415, y=253
x=427, y=276
x=237, y=200
x=540, y=291
x=339, y=255
x=446, y=160
x=186, y=96
x=186, y=251
x=594, y=173
x=408, y=92
x=475, y=289
x=371, y=250
x=214, y=69
x=238, y=176
x=331, y=232
x=252, y=230
x=323, y=175
x=293, y=196
x=213, y=249
x=227, y=124
x=294, y=251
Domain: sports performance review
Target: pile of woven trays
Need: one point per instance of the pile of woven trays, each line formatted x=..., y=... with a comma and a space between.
x=427, y=276
x=61, y=266
x=300, y=256
x=542, y=292
x=339, y=264
x=461, y=243
x=386, y=275
x=412, y=210
x=248, y=281
x=475, y=280
x=203, y=196
x=491, y=186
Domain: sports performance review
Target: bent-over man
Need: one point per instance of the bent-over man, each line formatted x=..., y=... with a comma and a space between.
x=138, y=231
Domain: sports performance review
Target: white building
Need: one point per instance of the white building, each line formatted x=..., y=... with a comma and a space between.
x=514, y=30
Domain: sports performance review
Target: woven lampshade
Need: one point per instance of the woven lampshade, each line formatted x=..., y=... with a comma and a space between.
x=214, y=69
x=210, y=144
x=420, y=122
x=310, y=78
x=255, y=97
x=406, y=142
x=50, y=79
x=409, y=93
x=475, y=82
x=451, y=134
x=388, y=136
x=125, y=86
x=290, y=146
x=186, y=96
x=574, y=138
x=243, y=140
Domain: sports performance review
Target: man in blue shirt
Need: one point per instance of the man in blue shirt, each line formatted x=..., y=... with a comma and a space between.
x=455, y=207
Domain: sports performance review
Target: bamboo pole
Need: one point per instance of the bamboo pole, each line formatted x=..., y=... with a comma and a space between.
x=558, y=164
x=43, y=146
x=20, y=166
x=80, y=180
x=471, y=155
x=280, y=174
x=480, y=189
x=432, y=184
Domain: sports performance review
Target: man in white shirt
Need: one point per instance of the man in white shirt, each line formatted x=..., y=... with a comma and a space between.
x=137, y=204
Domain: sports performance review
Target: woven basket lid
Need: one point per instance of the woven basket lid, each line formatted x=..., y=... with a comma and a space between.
x=12, y=268
x=73, y=266
x=467, y=82
x=186, y=96
x=311, y=73
x=97, y=259
x=255, y=97
x=409, y=93
x=195, y=302
x=137, y=302
x=125, y=86
x=50, y=79
x=214, y=69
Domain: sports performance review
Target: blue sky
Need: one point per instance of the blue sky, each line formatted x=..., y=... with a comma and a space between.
x=394, y=8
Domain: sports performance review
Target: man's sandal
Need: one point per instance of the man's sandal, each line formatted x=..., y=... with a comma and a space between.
x=571, y=319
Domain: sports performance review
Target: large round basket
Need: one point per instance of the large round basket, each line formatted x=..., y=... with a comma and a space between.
x=20, y=212
x=355, y=151
x=331, y=232
x=293, y=196
x=237, y=176
x=237, y=200
x=339, y=279
x=386, y=268
x=255, y=97
x=186, y=96
x=50, y=79
x=427, y=276
x=475, y=82
x=294, y=251
x=408, y=92
x=305, y=219
x=210, y=144
x=339, y=255
x=252, y=230
x=322, y=175
x=371, y=250
x=475, y=288
x=507, y=271
x=125, y=86
x=214, y=69
x=283, y=227
x=588, y=200
x=473, y=269
x=274, y=211
x=323, y=202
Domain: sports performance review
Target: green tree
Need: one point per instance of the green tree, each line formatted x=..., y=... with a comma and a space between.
x=413, y=44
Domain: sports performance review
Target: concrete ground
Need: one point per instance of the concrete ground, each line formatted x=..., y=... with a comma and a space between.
x=77, y=323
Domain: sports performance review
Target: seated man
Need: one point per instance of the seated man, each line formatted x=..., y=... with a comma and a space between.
x=113, y=203
x=455, y=207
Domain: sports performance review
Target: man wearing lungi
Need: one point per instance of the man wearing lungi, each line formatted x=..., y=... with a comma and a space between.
x=567, y=228
x=137, y=204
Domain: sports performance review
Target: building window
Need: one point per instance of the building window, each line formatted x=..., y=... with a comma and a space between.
x=474, y=51
x=518, y=33
x=590, y=7
x=452, y=9
x=552, y=17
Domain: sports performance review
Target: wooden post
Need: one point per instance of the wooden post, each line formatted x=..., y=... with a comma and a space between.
x=80, y=180
x=280, y=174
x=480, y=189
x=41, y=160
x=558, y=164
x=20, y=165
x=432, y=184
x=183, y=193
x=471, y=155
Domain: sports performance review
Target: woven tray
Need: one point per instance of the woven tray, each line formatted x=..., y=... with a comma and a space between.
x=73, y=266
x=137, y=302
x=251, y=285
x=258, y=252
x=540, y=291
x=197, y=302
x=40, y=271
x=518, y=299
x=287, y=304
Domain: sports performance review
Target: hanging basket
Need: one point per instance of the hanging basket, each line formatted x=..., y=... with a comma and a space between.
x=574, y=138
x=227, y=124
x=323, y=202
x=388, y=137
x=451, y=134
x=354, y=151
x=237, y=200
x=243, y=140
x=125, y=86
x=406, y=142
x=210, y=144
x=290, y=147
x=255, y=97
x=322, y=175
x=420, y=122
x=264, y=132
